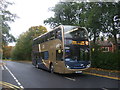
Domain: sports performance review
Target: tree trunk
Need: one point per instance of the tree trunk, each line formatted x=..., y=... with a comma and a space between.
x=116, y=43
x=94, y=40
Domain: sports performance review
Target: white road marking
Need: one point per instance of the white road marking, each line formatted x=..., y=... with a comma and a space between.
x=2, y=67
x=70, y=78
x=14, y=77
x=104, y=89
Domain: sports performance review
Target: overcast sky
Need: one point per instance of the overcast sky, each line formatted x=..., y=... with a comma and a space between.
x=31, y=13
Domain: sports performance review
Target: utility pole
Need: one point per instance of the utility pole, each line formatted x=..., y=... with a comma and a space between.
x=1, y=52
x=1, y=38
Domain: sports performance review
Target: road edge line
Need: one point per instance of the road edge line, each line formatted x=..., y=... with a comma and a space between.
x=16, y=80
x=8, y=85
x=70, y=78
x=116, y=78
x=2, y=67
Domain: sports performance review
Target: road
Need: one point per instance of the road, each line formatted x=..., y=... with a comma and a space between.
x=25, y=75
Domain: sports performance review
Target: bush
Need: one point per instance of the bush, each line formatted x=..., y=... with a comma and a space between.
x=106, y=60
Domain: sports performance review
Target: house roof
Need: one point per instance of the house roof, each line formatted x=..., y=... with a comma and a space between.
x=104, y=43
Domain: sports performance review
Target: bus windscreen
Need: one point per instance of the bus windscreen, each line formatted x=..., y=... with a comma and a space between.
x=76, y=44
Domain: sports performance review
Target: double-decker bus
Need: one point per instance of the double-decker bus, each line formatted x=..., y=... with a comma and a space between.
x=65, y=49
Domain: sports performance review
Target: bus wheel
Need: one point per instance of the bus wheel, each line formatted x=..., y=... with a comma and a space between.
x=37, y=66
x=51, y=68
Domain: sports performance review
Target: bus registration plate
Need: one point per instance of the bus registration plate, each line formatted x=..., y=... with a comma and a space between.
x=78, y=72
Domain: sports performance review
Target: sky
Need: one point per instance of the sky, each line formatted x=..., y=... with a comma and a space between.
x=30, y=13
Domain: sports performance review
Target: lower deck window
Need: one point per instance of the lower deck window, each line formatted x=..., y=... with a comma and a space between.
x=45, y=55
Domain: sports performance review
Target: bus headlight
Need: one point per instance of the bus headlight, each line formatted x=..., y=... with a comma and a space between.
x=88, y=66
x=67, y=66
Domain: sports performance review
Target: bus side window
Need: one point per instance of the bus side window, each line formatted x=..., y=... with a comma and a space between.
x=45, y=55
x=35, y=42
x=42, y=55
x=48, y=37
x=59, y=34
x=59, y=55
x=52, y=35
x=41, y=40
x=36, y=55
x=45, y=38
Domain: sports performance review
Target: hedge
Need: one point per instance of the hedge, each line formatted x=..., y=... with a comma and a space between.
x=106, y=60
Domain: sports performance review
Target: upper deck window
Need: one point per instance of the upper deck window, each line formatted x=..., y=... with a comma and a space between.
x=75, y=33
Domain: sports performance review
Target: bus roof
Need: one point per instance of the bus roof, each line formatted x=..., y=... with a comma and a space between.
x=54, y=29
x=47, y=32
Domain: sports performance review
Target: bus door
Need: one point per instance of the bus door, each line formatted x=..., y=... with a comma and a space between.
x=59, y=60
x=45, y=57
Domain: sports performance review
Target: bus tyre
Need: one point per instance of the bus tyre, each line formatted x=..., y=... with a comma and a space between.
x=51, y=68
x=37, y=66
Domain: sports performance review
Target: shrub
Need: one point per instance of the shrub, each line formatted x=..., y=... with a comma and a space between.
x=106, y=60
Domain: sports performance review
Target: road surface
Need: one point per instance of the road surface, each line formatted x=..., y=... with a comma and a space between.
x=25, y=75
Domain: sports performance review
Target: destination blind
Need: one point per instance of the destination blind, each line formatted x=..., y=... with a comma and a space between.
x=80, y=42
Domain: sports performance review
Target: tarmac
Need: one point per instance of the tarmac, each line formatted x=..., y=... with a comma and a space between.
x=112, y=74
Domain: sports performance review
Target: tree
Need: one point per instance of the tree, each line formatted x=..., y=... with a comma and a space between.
x=65, y=14
x=6, y=17
x=82, y=14
x=111, y=24
x=23, y=47
x=90, y=18
x=7, y=52
x=97, y=17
